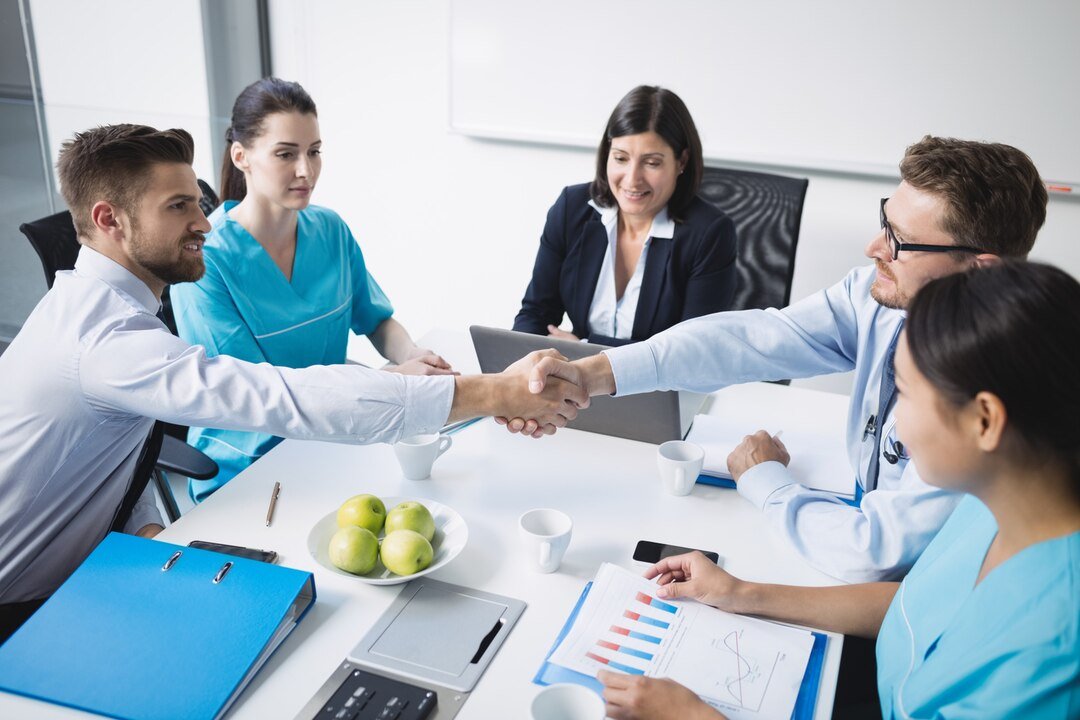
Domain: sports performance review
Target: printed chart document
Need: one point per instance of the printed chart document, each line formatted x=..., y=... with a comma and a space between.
x=818, y=455
x=743, y=667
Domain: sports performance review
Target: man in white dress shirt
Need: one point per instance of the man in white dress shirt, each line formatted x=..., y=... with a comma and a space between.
x=94, y=366
x=959, y=204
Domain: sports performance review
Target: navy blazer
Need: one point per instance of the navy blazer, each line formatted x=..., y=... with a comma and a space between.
x=688, y=275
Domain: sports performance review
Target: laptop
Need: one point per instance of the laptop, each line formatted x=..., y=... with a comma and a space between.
x=654, y=417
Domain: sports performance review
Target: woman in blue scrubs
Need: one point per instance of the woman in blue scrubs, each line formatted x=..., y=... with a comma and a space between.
x=986, y=624
x=285, y=280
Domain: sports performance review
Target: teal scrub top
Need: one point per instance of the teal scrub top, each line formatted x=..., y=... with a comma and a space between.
x=1006, y=648
x=244, y=307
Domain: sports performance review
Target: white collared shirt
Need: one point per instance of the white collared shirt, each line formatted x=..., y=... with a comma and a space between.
x=608, y=315
x=90, y=369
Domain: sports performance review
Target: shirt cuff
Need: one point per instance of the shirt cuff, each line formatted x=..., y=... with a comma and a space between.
x=145, y=512
x=762, y=480
x=634, y=368
x=428, y=400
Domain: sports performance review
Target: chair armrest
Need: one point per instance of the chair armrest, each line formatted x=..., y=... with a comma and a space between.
x=178, y=457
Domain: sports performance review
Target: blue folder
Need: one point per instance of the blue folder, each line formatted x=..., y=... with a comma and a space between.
x=549, y=673
x=127, y=638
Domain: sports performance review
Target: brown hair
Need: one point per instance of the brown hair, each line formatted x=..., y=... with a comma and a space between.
x=648, y=108
x=993, y=195
x=259, y=99
x=112, y=163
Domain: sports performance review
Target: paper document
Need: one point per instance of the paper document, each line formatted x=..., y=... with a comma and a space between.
x=743, y=667
x=818, y=457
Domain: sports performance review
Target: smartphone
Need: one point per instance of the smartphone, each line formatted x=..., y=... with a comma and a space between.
x=268, y=556
x=654, y=552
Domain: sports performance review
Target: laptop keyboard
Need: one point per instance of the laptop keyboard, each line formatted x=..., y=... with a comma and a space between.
x=366, y=696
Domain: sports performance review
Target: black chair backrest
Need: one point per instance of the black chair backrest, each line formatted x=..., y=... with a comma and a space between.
x=55, y=242
x=209, y=200
x=767, y=212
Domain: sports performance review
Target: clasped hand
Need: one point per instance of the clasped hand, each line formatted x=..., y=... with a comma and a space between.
x=544, y=408
x=545, y=368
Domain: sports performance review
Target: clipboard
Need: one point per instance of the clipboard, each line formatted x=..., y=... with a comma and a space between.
x=549, y=673
x=146, y=629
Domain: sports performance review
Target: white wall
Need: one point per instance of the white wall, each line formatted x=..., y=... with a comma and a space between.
x=450, y=224
x=124, y=61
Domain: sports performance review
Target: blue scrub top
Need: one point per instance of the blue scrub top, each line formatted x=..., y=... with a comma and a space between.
x=244, y=307
x=1004, y=648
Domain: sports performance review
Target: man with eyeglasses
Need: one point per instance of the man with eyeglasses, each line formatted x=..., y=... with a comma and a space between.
x=959, y=204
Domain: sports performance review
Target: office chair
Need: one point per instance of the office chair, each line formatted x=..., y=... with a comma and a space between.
x=55, y=241
x=767, y=211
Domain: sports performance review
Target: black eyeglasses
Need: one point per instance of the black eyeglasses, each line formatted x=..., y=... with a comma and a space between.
x=895, y=245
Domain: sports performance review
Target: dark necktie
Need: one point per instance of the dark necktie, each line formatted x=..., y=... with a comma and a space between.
x=885, y=400
x=144, y=467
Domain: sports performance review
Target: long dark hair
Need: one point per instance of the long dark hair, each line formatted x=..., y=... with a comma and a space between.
x=259, y=99
x=1012, y=329
x=648, y=108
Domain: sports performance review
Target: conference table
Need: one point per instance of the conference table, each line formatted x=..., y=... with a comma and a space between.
x=609, y=486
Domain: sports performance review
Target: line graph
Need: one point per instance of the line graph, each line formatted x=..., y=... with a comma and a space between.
x=748, y=679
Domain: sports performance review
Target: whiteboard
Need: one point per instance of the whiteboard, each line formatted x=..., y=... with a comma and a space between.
x=843, y=85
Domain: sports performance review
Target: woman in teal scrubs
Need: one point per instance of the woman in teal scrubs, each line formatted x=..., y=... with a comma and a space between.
x=285, y=280
x=986, y=624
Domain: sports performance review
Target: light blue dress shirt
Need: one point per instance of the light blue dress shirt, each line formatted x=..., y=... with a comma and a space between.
x=838, y=329
x=244, y=307
x=93, y=367
x=1005, y=648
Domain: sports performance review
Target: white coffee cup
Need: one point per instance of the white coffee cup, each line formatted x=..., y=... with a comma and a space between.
x=546, y=535
x=680, y=464
x=565, y=701
x=416, y=454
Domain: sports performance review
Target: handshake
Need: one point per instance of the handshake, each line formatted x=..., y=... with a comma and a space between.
x=536, y=395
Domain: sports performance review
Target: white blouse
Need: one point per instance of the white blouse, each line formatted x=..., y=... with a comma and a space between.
x=608, y=315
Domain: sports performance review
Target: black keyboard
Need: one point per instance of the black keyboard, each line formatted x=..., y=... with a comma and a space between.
x=366, y=696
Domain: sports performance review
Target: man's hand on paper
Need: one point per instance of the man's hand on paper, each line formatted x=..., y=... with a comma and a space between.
x=149, y=531
x=754, y=450
x=636, y=697
x=692, y=575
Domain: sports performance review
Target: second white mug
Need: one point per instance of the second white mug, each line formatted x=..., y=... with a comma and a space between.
x=680, y=463
x=416, y=454
x=546, y=535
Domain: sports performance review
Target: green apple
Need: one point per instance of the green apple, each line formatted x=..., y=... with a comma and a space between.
x=354, y=549
x=405, y=552
x=366, y=511
x=411, y=515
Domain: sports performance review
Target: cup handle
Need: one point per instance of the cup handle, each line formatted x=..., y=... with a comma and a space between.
x=444, y=444
x=545, y=554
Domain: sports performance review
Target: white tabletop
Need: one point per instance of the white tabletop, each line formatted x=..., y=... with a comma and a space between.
x=610, y=487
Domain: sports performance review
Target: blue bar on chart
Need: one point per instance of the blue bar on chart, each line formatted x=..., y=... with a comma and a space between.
x=636, y=635
x=658, y=604
x=646, y=619
x=626, y=650
x=614, y=665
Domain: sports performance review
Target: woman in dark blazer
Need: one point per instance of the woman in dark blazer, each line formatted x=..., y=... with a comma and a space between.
x=635, y=251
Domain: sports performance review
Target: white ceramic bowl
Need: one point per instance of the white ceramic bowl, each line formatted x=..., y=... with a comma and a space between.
x=451, y=535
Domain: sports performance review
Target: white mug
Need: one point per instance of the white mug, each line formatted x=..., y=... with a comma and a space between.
x=416, y=454
x=546, y=535
x=680, y=464
x=567, y=702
